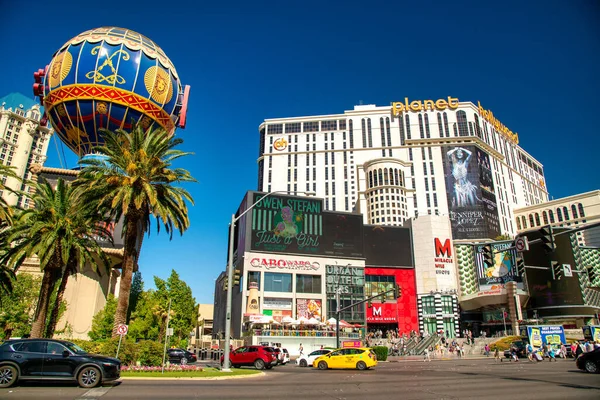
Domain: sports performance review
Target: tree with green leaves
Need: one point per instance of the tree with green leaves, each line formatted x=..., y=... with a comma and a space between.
x=59, y=230
x=6, y=211
x=102, y=323
x=134, y=179
x=16, y=312
x=137, y=288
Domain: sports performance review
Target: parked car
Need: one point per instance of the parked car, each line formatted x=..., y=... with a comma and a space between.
x=286, y=356
x=521, y=347
x=308, y=359
x=589, y=362
x=47, y=359
x=180, y=356
x=360, y=358
x=258, y=356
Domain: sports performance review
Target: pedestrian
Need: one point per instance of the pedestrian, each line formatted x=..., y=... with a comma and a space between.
x=426, y=358
x=486, y=350
x=513, y=352
x=551, y=354
x=529, y=352
x=497, y=355
x=301, y=350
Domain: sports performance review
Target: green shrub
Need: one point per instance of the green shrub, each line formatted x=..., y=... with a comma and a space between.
x=504, y=343
x=381, y=352
x=149, y=353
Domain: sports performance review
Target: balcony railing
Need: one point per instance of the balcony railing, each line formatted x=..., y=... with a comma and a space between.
x=305, y=333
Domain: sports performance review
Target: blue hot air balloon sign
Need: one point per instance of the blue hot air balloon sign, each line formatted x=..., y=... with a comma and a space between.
x=109, y=78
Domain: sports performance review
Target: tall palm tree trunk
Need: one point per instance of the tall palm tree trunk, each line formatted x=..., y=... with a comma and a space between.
x=41, y=312
x=69, y=269
x=130, y=255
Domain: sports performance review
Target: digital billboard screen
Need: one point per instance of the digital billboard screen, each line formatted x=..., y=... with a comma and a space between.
x=470, y=192
x=501, y=271
x=387, y=246
x=286, y=224
x=342, y=234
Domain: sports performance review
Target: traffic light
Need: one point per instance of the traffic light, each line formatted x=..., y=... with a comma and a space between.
x=369, y=304
x=236, y=277
x=520, y=266
x=397, y=291
x=488, y=256
x=557, y=270
x=225, y=286
x=592, y=274
x=548, y=239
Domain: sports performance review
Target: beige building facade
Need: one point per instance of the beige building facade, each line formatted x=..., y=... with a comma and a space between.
x=571, y=212
x=23, y=142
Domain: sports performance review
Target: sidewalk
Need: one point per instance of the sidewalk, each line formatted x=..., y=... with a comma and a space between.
x=445, y=358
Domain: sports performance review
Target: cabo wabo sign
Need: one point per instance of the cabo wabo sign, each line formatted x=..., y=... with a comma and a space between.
x=279, y=263
x=287, y=224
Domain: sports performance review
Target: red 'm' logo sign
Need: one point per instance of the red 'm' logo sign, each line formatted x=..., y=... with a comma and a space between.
x=442, y=249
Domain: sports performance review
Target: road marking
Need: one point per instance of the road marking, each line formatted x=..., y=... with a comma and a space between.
x=95, y=393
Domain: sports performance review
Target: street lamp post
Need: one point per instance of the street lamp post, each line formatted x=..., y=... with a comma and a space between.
x=504, y=319
x=226, y=362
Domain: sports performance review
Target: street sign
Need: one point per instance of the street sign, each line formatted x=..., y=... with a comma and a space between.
x=122, y=329
x=169, y=331
x=567, y=271
x=522, y=244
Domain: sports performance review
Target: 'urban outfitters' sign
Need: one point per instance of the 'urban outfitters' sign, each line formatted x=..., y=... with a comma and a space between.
x=349, y=279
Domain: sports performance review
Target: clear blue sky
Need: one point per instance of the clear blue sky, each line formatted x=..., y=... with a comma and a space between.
x=533, y=63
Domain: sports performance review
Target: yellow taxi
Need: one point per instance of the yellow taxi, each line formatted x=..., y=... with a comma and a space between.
x=360, y=358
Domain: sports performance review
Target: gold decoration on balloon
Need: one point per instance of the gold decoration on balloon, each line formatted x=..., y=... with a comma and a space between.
x=158, y=84
x=98, y=76
x=61, y=65
x=101, y=108
x=146, y=122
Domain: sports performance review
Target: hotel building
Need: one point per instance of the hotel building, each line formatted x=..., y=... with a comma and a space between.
x=23, y=142
x=393, y=163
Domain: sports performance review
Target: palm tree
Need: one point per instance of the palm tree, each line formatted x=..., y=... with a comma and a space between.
x=6, y=211
x=133, y=179
x=60, y=227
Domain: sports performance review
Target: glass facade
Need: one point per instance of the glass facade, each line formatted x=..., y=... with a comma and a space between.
x=275, y=282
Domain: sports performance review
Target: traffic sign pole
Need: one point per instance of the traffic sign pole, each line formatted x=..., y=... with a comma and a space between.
x=121, y=330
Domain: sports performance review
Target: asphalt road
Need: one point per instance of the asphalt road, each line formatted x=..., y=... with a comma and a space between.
x=456, y=379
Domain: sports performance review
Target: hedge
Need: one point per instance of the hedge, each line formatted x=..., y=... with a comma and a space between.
x=145, y=352
x=381, y=352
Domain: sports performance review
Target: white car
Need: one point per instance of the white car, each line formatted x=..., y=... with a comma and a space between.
x=306, y=360
x=286, y=356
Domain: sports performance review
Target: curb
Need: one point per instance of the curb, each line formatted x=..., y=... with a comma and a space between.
x=191, y=378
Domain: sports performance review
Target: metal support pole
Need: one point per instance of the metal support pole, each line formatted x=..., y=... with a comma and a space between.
x=504, y=319
x=119, y=346
x=226, y=364
x=166, y=336
x=337, y=320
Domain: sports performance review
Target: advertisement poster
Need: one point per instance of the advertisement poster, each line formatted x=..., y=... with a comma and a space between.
x=591, y=332
x=287, y=224
x=278, y=315
x=503, y=270
x=548, y=334
x=308, y=308
x=470, y=192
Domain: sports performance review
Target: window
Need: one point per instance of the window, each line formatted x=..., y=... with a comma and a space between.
x=447, y=306
x=559, y=215
x=566, y=213
x=308, y=283
x=376, y=284
x=32, y=347
x=275, y=282
x=545, y=217
x=428, y=305
x=254, y=276
x=551, y=215
x=574, y=211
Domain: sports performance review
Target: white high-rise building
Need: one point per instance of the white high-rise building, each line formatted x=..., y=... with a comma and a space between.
x=23, y=142
x=392, y=163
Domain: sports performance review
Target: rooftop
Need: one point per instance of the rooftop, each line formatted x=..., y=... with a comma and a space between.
x=17, y=100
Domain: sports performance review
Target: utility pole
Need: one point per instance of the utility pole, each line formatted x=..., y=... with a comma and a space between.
x=166, y=336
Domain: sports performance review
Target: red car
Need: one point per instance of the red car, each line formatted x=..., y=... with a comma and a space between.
x=258, y=356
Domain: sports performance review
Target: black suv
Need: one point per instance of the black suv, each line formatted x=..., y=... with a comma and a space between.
x=180, y=356
x=47, y=359
x=520, y=345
